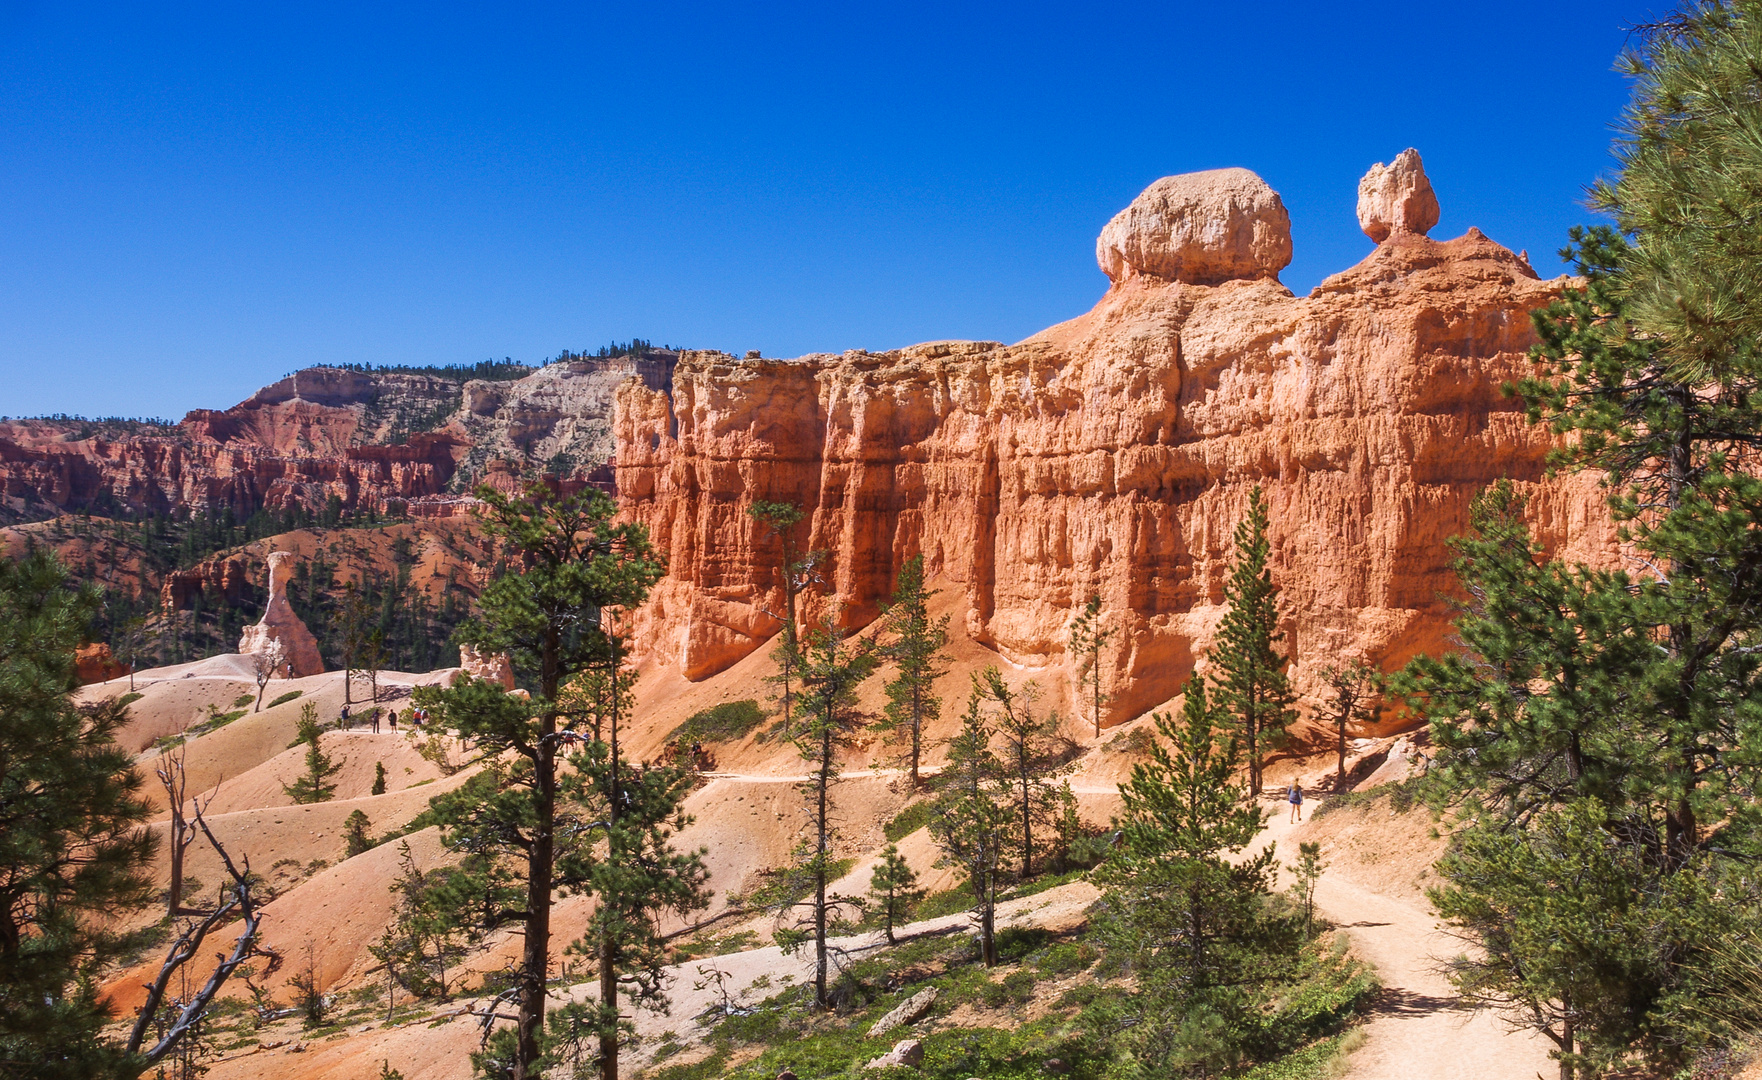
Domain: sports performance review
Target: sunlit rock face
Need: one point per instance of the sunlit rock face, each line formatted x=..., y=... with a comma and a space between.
x=281, y=627
x=1113, y=454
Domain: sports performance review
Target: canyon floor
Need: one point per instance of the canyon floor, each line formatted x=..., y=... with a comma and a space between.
x=326, y=909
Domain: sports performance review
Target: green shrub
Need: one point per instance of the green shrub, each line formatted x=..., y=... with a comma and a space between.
x=1016, y=942
x=720, y=723
x=947, y=902
x=285, y=698
x=909, y=821
x=129, y=698
x=1016, y=988
x=1063, y=959
x=243, y=700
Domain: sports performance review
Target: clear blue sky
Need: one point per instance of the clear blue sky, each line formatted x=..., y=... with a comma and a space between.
x=196, y=200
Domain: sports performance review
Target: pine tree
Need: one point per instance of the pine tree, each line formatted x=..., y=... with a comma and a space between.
x=637, y=879
x=973, y=821
x=1555, y=761
x=357, y=838
x=826, y=718
x=1027, y=758
x=1181, y=903
x=72, y=852
x=1088, y=637
x=570, y=564
x=437, y=920
x=1354, y=685
x=916, y=649
x=795, y=572
x=378, y=778
x=892, y=891
x=314, y=786
x=1247, y=670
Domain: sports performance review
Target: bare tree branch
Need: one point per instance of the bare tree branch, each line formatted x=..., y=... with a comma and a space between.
x=244, y=947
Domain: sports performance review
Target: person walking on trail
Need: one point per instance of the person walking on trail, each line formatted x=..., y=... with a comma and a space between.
x=373, y=718
x=391, y=717
x=1294, y=795
x=343, y=720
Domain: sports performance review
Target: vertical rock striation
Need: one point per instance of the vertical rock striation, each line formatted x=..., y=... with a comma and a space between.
x=1113, y=453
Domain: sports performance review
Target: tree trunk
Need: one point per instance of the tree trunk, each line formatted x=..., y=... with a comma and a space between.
x=535, y=951
x=820, y=862
x=1340, y=774
x=608, y=949
x=175, y=895
x=917, y=730
x=535, y=954
x=608, y=1001
x=988, y=922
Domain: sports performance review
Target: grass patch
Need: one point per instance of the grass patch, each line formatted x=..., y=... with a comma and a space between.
x=129, y=698
x=909, y=821
x=697, y=948
x=708, y=1069
x=243, y=700
x=720, y=723
x=947, y=902
x=1401, y=797
x=1323, y=1060
x=285, y=698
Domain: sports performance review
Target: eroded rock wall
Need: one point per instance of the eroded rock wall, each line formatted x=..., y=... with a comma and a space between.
x=1114, y=454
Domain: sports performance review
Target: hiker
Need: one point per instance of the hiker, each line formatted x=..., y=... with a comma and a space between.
x=1295, y=797
x=343, y=721
x=373, y=718
x=391, y=717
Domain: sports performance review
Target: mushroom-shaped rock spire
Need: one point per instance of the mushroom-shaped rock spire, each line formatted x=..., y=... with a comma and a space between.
x=1396, y=198
x=1204, y=228
x=280, y=624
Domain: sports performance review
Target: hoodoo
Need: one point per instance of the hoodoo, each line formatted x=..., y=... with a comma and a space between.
x=280, y=624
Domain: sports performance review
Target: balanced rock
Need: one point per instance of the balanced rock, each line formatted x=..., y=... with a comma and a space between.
x=1397, y=198
x=906, y=1012
x=908, y=1052
x=1204, y=228
x=280, y=624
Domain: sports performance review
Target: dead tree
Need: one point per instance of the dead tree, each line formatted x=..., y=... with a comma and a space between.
x=172, y=777
x=264, y=665
x=241, y=905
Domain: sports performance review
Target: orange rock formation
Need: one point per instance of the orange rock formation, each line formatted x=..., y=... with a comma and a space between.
x=1114, y=453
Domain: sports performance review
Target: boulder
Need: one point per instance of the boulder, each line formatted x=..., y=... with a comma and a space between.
x=907, y=1052
x=906, y=1012
x=1203, y=228
x=93, y=664
x=1397, y=199
x=279, y=624
x=490, y=667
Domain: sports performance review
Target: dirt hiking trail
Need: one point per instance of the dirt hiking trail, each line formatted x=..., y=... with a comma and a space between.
x=1419, y=1029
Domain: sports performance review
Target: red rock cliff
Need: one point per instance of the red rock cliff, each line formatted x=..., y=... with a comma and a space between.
x=1114, y=453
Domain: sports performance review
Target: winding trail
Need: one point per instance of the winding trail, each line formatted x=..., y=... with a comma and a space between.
x=1419, y=1028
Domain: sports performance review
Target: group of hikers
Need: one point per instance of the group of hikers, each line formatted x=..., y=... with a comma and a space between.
x=416, y=715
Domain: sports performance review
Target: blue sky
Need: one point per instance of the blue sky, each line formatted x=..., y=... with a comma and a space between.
x=196, y=200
